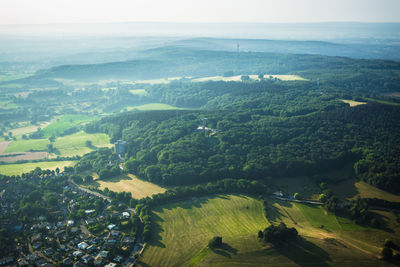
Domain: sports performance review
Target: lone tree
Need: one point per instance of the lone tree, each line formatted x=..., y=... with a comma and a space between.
x=215, y=242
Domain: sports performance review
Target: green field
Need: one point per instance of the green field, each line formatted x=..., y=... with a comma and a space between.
x=65, y=122
x=140, y=92
x=70, y=145
x=27, y=145
x=152, y=106
x=183, y=229
x=17, y=169
x=75, y=144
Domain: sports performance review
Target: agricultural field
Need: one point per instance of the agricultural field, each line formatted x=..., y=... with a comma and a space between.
x=27, y=145
x=130, y=183
x=75, y=144
x=18, y=169
x=27, y=129
x=353, y=103
x=65, y=122
x=66, y=146
x=152, y=106
x=183, y=230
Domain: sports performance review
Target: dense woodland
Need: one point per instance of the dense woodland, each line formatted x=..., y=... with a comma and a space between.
x=257, y=130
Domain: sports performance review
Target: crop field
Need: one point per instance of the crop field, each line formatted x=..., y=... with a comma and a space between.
x=28, y=129
x=184, y=228
x=18, y=169
x=64, y=123
x=75, y=144
x=353, y=103
x=152, y=106
x=129, y=183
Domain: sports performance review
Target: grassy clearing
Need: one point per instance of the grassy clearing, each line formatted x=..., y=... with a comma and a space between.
x=353, y=188
x=130, y=183
x=185, y=228
x=5, y=78
x=383, y=101
x=27, y=145
x=18, y=169
x=152, y=106
x=139, y=92
x=353, y=103
x=64, y=123
x=29, y=128
x=75, y=144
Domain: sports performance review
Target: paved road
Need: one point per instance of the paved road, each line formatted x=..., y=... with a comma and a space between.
x=299, y=201
x=97, y=194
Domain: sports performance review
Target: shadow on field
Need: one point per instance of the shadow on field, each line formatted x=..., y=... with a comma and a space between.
x=157, y=230
x=304, y=253
x=273, y=213
x=116, y=179
x=225, y=250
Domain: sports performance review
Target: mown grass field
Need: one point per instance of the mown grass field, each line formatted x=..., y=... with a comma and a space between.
x=130, y=183
x=139, y=92
x=27, y=145
x=65, y=122
x=353, y=103
x=183, y=229
x=75, y=144
x=70, y=145
x=18, y=169
x=353, y=188
x=152, y=106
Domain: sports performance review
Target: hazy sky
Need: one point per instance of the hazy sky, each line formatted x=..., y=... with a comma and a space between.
x=90, y=11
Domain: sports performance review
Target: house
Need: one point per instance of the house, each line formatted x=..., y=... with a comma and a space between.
x=125, y=215
x=67, y=262
x=128, y=240
x=111, y=264
x=91, y=248
x=111, y=226
x=118, y=258
x=83, y=245
x=77, y=254
x=70, y=223
x=278, y=193
x=104, y=254
x=89, y=221
x=87, y=258
x=88, y=212
x=115, y=233
x=98, y=262
x=48, y=252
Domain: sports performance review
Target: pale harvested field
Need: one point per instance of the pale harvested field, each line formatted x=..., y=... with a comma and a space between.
x=353, y=103
x=130, y=183
x=237, y=78
x=29, y=129
x=3, y=146
x=23, y=156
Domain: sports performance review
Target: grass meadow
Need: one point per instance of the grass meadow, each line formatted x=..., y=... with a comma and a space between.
x=63, y=123
x=18, y=169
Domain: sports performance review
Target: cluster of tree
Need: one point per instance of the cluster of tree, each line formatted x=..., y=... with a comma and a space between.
x=168, y=150
x=103, y=161
x=387, y=251
x=277, y=234
x=215, y=242
x=144, y=212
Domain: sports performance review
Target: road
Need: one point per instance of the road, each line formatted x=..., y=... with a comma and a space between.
x=97, y=194
x=299, y=201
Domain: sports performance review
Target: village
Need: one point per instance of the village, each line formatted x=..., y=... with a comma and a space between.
x=78, y=228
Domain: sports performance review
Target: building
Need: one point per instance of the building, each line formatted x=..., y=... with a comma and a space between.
x=120, y=148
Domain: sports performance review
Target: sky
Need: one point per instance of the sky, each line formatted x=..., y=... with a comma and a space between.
x=270, y=11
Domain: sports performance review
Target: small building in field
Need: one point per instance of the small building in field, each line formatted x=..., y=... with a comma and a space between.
x=278, y=193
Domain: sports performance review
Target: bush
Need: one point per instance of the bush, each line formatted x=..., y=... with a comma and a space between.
x=387, y=253
x=215, y=242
